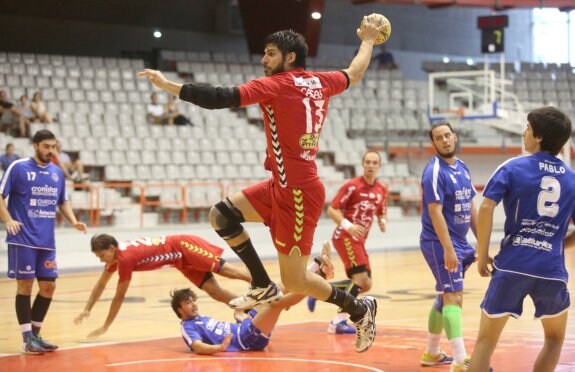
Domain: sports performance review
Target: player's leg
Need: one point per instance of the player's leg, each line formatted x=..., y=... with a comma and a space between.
x=503, y=298
x=211, y=286
x=490, y=329
x=552, y=301
x=554, y=329
x=226, y=217
x=46, y=272
x=357, y=268
x=22, y=267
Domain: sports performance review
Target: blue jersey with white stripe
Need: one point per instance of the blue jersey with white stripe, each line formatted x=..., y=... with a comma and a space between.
x=538, y=196
x=210, y=331
x=34, y=191
x=450, y=186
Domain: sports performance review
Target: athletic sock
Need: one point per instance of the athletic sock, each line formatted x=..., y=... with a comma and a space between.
x=24, y=315
x=434, y=328
x=453, y=328
x=39, y=311
x=348, y=303
x=247, y=253
x=351, y=288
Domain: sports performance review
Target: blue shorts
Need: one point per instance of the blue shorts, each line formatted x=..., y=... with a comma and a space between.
x=30, y=263
x=444, y=280
x=250, y=337
x=507, y=291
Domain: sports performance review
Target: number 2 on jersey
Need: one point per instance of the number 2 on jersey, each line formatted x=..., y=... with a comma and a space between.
x=546, y=201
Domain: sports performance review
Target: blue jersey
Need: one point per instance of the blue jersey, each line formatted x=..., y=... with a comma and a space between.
x=450, y=186
x=210, y=331
x=34, y=191
x=539, y=202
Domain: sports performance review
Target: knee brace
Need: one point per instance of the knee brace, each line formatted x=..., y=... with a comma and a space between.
x=226, y=220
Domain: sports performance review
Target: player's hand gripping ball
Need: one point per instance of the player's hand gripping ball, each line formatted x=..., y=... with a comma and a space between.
x=385, y=32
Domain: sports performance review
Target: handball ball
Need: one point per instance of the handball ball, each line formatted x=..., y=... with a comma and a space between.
x=380, y=20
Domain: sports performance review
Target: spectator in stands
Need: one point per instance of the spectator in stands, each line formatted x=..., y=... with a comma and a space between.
x=385, y=59
x=73, y=170
x=9, y=157
x=156, y=111
x=25, y=109
x=10, y=115
x=173, y=113
x=40, y=109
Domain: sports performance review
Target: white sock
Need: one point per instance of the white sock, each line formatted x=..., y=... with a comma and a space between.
x=433, y=343
x=339, y=317
x=26, y=327
x=458, y=349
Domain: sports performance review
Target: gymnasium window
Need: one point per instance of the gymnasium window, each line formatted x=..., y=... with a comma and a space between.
x=553, y=36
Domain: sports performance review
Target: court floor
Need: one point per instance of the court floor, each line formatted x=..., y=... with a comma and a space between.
x=145, y=335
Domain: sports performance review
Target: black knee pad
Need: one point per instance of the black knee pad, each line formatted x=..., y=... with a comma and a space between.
x=227, y=220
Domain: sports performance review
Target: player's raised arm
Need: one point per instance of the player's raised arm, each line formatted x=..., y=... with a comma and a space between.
x=368, y=32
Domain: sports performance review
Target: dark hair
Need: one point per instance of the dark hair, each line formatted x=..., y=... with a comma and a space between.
x=370, y=152
x=42, y=135
x=8, y=145
x=439, y=124
x=289, y=41
x=179, y=295
x=552, y=126
x=100, y=242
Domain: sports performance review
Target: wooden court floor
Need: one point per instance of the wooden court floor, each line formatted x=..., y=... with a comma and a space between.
x=145, y=335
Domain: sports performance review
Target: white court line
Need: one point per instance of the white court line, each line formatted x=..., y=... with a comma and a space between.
x=224, y=358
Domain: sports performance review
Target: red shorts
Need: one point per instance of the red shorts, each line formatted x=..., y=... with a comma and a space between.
x=353, y=254
x=200, y=259
x=291, y=214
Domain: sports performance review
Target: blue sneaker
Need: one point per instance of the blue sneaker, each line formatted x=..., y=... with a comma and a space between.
x=341, y=328
x=45, y=344
x=32, y=347
x=311, y=303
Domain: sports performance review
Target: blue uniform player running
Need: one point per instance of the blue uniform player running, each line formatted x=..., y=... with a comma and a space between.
x=32, y=190
x=539, y=202
x=448, y=213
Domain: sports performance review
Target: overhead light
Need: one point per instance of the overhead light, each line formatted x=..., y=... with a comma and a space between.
x=469, y=62
x=157, y=34
x=445, y=59
x=316, y=15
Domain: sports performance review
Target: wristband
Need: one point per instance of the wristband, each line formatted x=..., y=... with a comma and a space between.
x=345, y=224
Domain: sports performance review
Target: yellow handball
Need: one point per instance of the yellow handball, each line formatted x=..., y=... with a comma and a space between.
x=380, y=20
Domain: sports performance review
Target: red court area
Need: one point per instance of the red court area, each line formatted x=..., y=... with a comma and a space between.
x=294, y=347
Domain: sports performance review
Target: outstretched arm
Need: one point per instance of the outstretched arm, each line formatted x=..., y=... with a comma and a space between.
x=94, y=296
x=115, y=306
x=203, y=95
x=68, y=214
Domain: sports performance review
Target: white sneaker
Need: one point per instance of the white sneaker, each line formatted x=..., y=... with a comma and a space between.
x=365, y=334
x=257, y=296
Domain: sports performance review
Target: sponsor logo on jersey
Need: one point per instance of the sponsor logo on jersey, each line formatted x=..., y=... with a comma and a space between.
x=40, y=213
x=42, y=202
x=312, y=83
x=463, y=194
x=309, y=141
x=44, y=190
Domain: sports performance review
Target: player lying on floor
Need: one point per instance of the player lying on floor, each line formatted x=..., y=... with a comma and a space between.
x=206, y=335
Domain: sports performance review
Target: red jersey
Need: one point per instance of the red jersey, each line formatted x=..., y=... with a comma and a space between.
x=360, y=202
x=144, y=254
x=294, y=106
